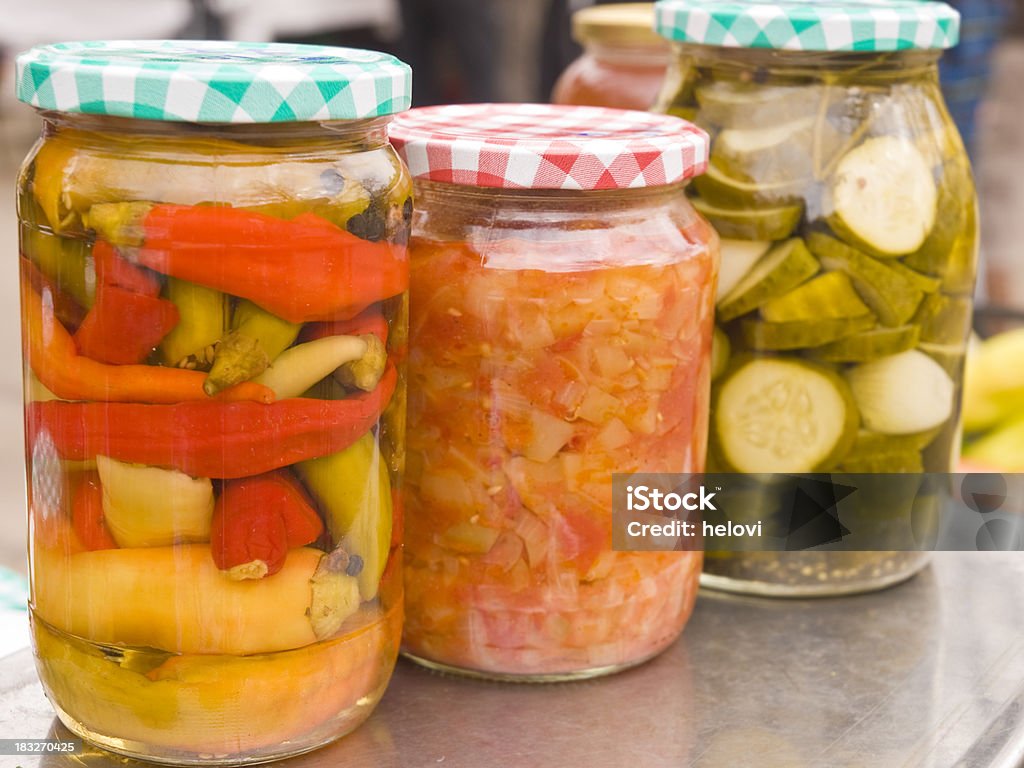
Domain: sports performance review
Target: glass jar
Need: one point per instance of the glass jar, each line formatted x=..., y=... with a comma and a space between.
x=845, y=201
x=623, y=61
x=214, y=323
x=561, y=333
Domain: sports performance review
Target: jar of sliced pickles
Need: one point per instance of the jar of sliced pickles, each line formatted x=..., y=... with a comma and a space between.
x=213, y=282
x=623, y=61
x=848, y=214
x=561, y=296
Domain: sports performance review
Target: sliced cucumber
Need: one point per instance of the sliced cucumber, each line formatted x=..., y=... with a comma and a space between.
x=773, y=223
x=955, y=196
x=884, y=463
x=869, y=345
x=902, y=394
x=955, y=266
x=781, y=269
x=945, y=319
x=826, y=296
x=767, y=155
x=884, y=196
x=802, y=334
x=870, y=443
x=720, y=189
x=720, y=349
x=891, y=295
x=738, y=256
x=751, y=105
x=922, y=282
x=950, y=357
x=776, y=415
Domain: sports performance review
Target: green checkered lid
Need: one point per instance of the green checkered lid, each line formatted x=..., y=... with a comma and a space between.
x=213, y=82
x=817, y=25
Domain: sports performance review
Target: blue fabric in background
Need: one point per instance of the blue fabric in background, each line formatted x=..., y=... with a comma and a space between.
x=965, y=70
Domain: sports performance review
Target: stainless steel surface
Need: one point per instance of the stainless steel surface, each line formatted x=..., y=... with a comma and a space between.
x=927, y=674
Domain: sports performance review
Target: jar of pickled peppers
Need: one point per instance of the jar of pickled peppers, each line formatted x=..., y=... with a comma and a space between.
x=213, y=293
x=847, y=209
x=561, y=295
x=623, y=61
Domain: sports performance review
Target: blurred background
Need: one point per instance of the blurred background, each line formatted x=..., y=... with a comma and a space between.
x=469, y=50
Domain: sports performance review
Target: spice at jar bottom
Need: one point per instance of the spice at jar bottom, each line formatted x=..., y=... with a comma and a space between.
x=559, y=335
x=848, y=215
x=214, y=326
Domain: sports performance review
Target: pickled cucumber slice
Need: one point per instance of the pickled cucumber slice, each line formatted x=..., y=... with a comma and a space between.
x=776, y=415
x=891, y=295
x=781, y=269
x=906, y=462
x=955, y=198
x=884, y=197
x=720, y=189
x=920, y=281
x=801, y=334
x=902, y=394
x=749, y=105
x=773, y=223
x=738, y=256
x=720, y=348
x=869, y=345
x=870, y=443
x=772, y=155
x=830, y=295
x=945, y=319
x=957, y=266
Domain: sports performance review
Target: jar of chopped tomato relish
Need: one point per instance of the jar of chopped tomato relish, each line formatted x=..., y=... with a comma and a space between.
x=623, y=62
x=214, y=279
x=561, y=296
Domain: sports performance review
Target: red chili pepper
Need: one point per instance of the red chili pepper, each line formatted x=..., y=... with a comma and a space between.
x=370, y=320
x=300, y=269
x=87, y=514
x=123, y=328
x=112, y=269
x=211, y=438
x=257, y=520
x=52, y=356
x=67, y=311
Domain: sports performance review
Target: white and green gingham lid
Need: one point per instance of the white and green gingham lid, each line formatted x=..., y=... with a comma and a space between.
x=814, y=25
x=213, y=82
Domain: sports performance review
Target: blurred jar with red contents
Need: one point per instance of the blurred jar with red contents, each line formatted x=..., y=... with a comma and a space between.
x=561, y=303
x=624, y=60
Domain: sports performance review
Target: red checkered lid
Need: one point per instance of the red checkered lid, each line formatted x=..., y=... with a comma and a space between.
x=544, y=146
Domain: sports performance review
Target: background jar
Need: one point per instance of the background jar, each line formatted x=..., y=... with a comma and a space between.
x=561, y=333
x=848, y=214
x=213, y=313
x=623, y=61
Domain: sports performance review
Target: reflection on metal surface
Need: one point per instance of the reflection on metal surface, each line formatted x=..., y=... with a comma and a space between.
x=926, y=675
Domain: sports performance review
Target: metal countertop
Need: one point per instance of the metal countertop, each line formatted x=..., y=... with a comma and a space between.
x=929, y=674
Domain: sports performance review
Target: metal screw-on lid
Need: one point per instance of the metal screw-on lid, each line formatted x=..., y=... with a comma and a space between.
x=213, y=82
x=622, y=24
x=545, y=146
x=819, y=25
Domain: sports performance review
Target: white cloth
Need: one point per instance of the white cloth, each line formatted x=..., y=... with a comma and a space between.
x=25, y=24
x=260, y=20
